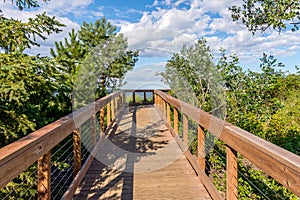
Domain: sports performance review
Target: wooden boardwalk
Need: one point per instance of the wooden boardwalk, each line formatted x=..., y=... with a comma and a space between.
x=140, y=160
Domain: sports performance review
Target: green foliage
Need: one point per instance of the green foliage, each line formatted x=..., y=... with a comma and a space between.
x=193, y=77
x=30, y=90
x=96, y=48
x=22, y=187
x=35, y=91
x=252, y=183
x=17, y=35
x=27, y=91
x=21, y=4
x=139, y=98
x=27, y=82
x=265, y=103
x=260, y=15
x=69, y=55
x=263, y=183
x=93, y=34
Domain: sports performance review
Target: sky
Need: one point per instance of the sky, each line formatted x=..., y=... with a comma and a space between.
x=160, y=28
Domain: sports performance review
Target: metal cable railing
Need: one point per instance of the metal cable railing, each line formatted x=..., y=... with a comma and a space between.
x=220, y=155
x=49, y=159
x=26, y=172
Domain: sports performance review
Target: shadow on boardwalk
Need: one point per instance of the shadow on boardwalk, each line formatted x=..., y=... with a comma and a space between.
x=139, y=160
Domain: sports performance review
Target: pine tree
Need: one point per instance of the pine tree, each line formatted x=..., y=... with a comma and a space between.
x=97, y=45
x=27, y=83
x=69, y=55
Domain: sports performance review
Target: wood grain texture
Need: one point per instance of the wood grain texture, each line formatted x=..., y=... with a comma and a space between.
x=232, y=174
x=112, y=105
x=108, y=114
x=101, y=119
x=168, y=114
x=175, y=120
x=277, y=162
x=201, y=148
x=82, y=172
x=44, y=176
x=76, y=151
x=18, y=156
x=214, y=193
x=282, y=165
x=156, y=168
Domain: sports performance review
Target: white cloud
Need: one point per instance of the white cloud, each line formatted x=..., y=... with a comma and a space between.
x=166, y=29
x=169, y=25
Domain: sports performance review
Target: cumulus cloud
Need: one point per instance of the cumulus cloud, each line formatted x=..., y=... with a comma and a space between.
x=208, y=18
x=164, y=26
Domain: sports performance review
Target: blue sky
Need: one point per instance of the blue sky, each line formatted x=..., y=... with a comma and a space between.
x=159, y=28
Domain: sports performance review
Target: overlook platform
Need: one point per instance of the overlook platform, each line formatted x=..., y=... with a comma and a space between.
x=140, y=160
x=135, y=145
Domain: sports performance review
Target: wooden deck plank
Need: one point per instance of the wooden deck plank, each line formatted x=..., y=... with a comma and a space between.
x=140, y=160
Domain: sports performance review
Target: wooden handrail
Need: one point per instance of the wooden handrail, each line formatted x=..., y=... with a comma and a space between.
x=281, y=164
x=277, y=162
x=18, y=156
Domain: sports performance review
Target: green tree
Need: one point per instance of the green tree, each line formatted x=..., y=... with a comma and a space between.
x=25, y=3
x=28, y=83
x=193, y=77
x=110, y=54
x=260, y=15
x=254, y=99
x=96, y=48
x=68, y=55
x=264, y=103
x=17, y=35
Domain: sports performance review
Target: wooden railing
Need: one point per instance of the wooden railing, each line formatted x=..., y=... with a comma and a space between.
x=144, y=100
x=18, y=156
x=280, y=164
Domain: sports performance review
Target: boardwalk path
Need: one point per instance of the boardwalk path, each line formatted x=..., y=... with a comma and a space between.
x=140, y=160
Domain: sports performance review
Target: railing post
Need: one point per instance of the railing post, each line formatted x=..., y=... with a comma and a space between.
x=133, y=97
x=176, y=120
x=44, y=175
x=185, y=130
x=119, y=102
x=159, y=102
x=113, y=109
x=169, y=114
x=108, y=114
x=165, y=109
x=145, y=98
x=201, y=147
x=161, y=105
x=232, y=174
x=101, y=120
x=76, y=151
